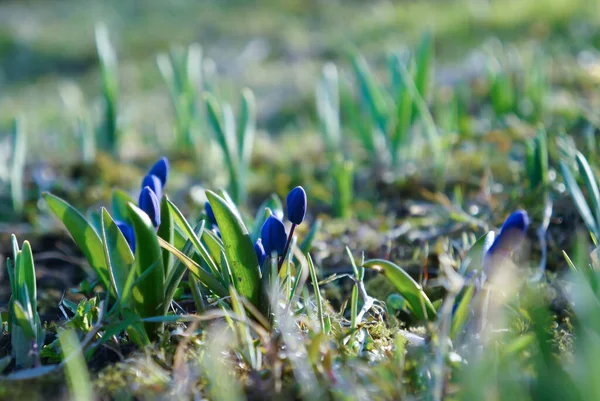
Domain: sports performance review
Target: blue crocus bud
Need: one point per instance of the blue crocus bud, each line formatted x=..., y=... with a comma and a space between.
x=148, y=202
x=511, y=234
x=128, y=233
x=154, y=183
x=273, y=236
x=260, y=252
x=161, y=170
x=210, y=214
x=296, y=205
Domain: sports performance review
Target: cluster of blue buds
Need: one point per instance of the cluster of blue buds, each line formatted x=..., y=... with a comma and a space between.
x=152, y=191
x=274, y=238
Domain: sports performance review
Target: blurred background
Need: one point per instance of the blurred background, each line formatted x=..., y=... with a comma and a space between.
x=49, y=63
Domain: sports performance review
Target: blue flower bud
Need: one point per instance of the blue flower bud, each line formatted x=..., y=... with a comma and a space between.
x=511, y=234
x=161, y=170
x=260, y=252
x=273, y=236
x=210, y=214
x=296, y=205
x=128, y=233
x=148, y=202
x=154, y=183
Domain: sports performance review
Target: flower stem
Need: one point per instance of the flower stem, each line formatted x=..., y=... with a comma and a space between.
x=287, y=247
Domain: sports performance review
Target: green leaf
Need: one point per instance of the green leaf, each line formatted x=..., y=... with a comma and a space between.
x=78, y=376
x=119, y=258
x=461, y=315
x=590, y=183
x=370, y=91
x=148, y=295
x=83, y=234
x=579, y=199
x=205, y=277
x=18, y=158
x=473, y=260
x=120, y=200
x=25, y=274
x=187, y=229
x=247, y=127
x=24, y=320
x=166, y=230
x=239, y=249
x=175, y=274
x=418, y=302
x=424, y=63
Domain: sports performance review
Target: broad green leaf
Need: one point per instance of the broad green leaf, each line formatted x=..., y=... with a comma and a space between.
x=26, y=274
x=83, y=234
x=148, y=295
x=213, y=244
x=418, y=302
x=119, y=258
x=24, y=320
x=120, y=199
x=579, y=199
x=461, y=315
x=239, y=249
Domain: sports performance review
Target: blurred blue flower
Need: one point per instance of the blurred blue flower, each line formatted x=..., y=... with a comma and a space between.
x=210, y=214
x=273, y=236
x=128, y=233
x=296, y=205
x=148, y=202
x=260, y=252
x=154, y=183
x=161, y=170
x=511, y=234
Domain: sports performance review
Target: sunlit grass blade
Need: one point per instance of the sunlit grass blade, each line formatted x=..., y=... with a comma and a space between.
x=78, y=376
x=205, y=277
x=591, y=184
x=579, y=199
x=189, y=232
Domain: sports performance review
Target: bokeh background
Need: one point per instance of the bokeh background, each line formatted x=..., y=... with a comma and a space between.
x=49, y=64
